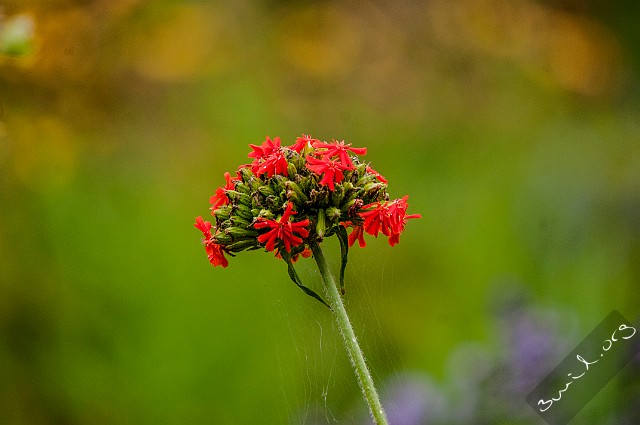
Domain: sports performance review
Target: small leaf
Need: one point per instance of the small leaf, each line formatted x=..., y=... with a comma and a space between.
x=296, y=279
x=341, y=232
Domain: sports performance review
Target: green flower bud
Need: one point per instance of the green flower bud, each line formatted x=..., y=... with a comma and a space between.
x=372, y=189
x=242, y=245
x=333, y=214
x=238, y=221
x=222, y=213
x=223, y=238
x=266, y=190
x=242, y=188
x=291, y=169
x=256, y=183
x=293, y=197
x=295, y=188
x=337, y=194
x=244, y=212
x=279, y=183
x=240, y=233
x=241, y=198
x=299, y=162
x=246, y=174
x=266, y=214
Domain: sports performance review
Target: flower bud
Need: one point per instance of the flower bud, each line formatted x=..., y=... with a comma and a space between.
x=246, y=174
x=333, y=214
x=222, y=213
x=256, y=183
x=371, y=189
x=223, y=238
x=238, y=221
x=299, y=161
x=293, y=197
x=279, y=183
x=244, y=212
x=242, y=188
x=242, y=245
x=241, y=198
x=266, y=190
x=266, y=214
x=291, y=169
x=295, y=188
x=337, y=194
x=240, y=233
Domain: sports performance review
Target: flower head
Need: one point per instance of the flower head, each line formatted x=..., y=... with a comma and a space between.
x=289, y=233
x=290, y=197
x=214, y=250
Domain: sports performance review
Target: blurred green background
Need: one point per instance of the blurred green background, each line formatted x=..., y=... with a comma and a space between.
x=513, y=125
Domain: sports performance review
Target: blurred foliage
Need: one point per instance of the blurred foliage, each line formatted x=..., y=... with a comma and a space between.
x=513, y=126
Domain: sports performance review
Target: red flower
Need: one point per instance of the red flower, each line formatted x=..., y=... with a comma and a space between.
x=303, y=142
x=378, y=175
x=340, y=149
x=332, y=170
x=357, y=235
x=289, y=233
x=388, y=217
x=268, y=158
x=214, y=251
x=220, y=198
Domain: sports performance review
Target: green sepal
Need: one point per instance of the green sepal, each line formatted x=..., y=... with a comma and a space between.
x=341, y=232
x=266, y=190
x=296, y=279
x=333, y=214
x=242, y=245
x=242, y=188
x=223, y=213
x=321, y=226
x=295, y=188
x=239, y=232
x=291, y=169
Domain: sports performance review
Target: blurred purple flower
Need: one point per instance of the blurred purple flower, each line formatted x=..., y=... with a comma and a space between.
x=413, y=398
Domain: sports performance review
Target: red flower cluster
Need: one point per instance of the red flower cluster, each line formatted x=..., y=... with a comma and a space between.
x=387, y=217
x=242, y=205
x=268, y=158
x=220, y=198
x=339, y=149
x=332, y=168
x=214, y=251
x=289, y=233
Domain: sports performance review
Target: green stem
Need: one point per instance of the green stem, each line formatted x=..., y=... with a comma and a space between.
x=350, y=341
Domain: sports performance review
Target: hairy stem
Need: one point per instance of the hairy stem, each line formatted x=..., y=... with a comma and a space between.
x=350, y=341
